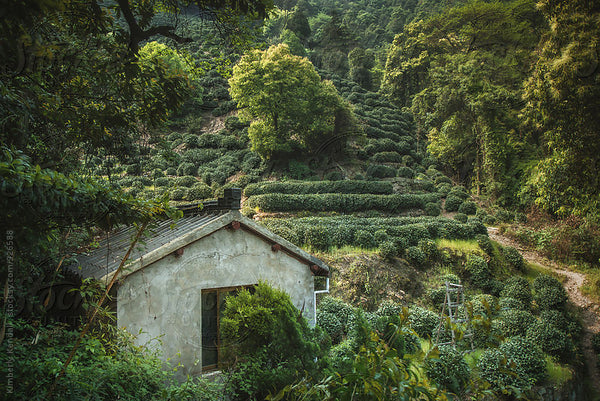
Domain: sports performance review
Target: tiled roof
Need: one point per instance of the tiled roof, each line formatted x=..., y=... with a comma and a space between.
x=107, y=257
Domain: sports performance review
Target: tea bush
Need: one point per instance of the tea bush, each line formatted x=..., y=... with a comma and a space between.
x=479, y=271
x=416, y=256
x=405, y=172
x=387, y=157
x=514, y=258
x=433, y=209
x=423, y=321
x=516, y=322
x=468, y=208
x=380, y=171
x=516, y=364
x=448, y=369
x=461, y=217
x=549, y=293
x=550, y=339
x=388, y=250
x=303, y=187
x=346, y=203
x=518, y=288
x=452, y=203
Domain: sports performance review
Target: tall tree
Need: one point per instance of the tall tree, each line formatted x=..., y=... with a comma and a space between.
x=563, y=109
x=460, y=72
x=289, y=107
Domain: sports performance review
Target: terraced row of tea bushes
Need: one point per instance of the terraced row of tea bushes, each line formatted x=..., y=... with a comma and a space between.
x=316, y=187
x=344, y=203
x=325, y=232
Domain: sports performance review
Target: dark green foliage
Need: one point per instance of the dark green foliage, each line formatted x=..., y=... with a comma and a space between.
x=448, y=369
x=459, y=191
x=514, y=257
x=199, y=191
x=298, y=170
x=515, y=322
x=433, y=209
x=479, y=271
x=387, y=157
x=430, y=250
x=423, y=321
x=365, y=239
x=380, y=171
x=303, y=187
x=381, y=236
x=179, y=194
x=317, y=237
x=388, y=250
x=405, y=231
x=550, y=339
x=161, y=182
x=443, y=189
x=596, y=342
x=185, y=181
x=334, y=176
x=186, y=168
x=452, y=203
x=517, y=363
x=549, y=293
x=270, y=340
x=461, y=217
x=518, y=288
x=416, y=256
x=131, y=373
x=405, y=172
x=485, y=243
x=468, y=208
x=346, y=203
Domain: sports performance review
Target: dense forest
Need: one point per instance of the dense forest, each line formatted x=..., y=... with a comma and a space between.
x=390, y=138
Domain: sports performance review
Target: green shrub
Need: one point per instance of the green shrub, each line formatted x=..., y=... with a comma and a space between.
x=479, y=271
x=171, y=171
x=388, y=250
x=518, y=288
x=298, y=170
x=460, y=217
x=515, y=366
x=162, y=182
x=443, y=189
x=416, y=256
x=334, y=176
x=364, y=239
x=185, y=181
x=423, y=321
x=380, y=171
x=489, y=220
x=514, y=258
x=432, y=209
x=178, y=194
x=317, y=237
x=452, y=203
x=303, y=187
x=550, y=339
x=485, y=243
x=199, y=191
x=331, y=324
x=449, y=370
x=515, y=322
x=549, y=293
x=459, y=191
x=387, y=157
x=405, y=172
x=430, y=250
x=468, y=208
x=269, y=340
x=186, y=168
x=380, y=236
x=345, y=203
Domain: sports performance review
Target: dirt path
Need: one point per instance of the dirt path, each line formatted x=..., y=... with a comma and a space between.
x=590, y=312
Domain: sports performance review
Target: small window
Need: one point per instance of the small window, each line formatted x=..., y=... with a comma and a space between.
x=213, y=305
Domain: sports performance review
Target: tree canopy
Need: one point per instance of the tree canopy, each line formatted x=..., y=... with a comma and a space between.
x=289, y=107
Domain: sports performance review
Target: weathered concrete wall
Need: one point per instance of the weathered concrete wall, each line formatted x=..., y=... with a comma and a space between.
x=163, y=300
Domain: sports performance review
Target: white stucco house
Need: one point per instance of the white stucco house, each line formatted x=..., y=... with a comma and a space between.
x=172, y=292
